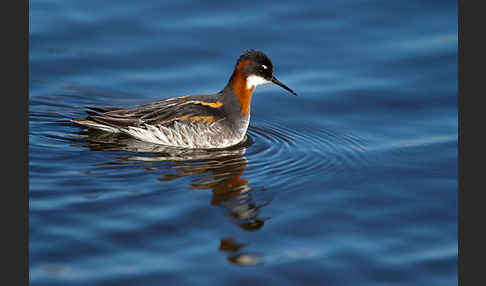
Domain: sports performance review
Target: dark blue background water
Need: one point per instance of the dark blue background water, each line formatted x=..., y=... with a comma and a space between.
x=353, y=182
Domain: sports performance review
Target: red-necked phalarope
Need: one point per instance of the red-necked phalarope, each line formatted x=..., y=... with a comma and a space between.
x=193, y=121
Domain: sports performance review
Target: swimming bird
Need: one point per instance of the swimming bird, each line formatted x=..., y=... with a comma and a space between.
x=193, y=121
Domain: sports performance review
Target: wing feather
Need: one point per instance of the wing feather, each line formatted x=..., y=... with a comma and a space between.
x=164, y=112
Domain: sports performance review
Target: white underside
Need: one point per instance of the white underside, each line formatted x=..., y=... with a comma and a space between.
x=212, y=135
x=185, y=135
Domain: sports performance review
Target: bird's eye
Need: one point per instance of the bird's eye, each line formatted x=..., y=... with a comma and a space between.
x=264, y=67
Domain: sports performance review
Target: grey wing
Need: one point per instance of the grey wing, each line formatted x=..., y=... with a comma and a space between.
x=165, y=112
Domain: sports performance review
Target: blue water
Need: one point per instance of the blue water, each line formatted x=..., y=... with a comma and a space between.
x=353, y=182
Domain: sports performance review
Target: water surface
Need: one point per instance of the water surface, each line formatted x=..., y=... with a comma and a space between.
x=353, y=182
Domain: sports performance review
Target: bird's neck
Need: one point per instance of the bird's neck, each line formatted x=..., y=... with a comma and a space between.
x=238, y=84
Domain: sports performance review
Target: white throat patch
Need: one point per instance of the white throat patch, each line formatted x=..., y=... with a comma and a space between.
x=254, y=80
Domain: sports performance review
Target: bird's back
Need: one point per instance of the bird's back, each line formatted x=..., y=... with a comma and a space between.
x=194, y=121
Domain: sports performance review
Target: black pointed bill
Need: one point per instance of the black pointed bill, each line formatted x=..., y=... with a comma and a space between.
x=277, y=82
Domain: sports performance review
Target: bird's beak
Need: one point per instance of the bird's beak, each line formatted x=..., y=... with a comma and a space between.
x=277, y=82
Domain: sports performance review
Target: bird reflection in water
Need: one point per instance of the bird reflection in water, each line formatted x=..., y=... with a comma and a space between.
x=217, y=170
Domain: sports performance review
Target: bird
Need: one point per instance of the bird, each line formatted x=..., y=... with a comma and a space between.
x=200, y=121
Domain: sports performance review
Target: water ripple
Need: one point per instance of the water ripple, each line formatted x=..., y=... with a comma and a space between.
x=288, y=153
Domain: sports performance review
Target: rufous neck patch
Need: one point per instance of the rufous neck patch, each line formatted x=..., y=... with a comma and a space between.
x=240, y=88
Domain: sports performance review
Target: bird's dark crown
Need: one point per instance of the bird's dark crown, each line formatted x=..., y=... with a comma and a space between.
x=259, y=64
x=253, y=63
